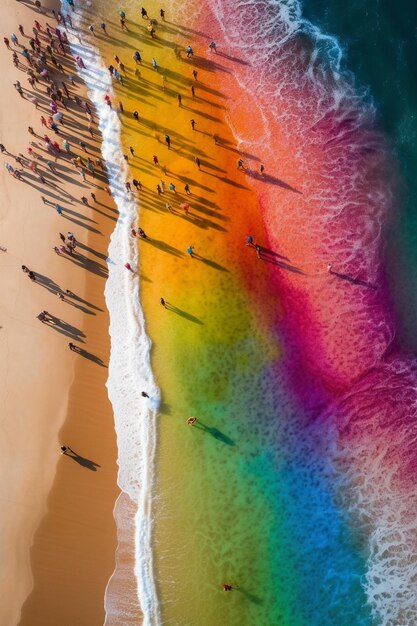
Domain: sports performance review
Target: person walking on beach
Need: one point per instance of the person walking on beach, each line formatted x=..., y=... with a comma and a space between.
x=132, y=150
x=195, y=74
x=193, y=123
x=171, y=187
x=249, y=240
x=190, y=52
x=58, y=209
x=191, y=421
x=42, y=316
x=144, y=13
x=213, y=46
x=7, y=43
x=154, y=64
x=158, y=189
x=197, y=162
x=168, y=141
x=262, y=169
x=137, y=57
x=179, y=98
x=73, y=347
x=190, y=250
x=193, y=91
x=136, y=115
x=258, y=250
x=240, y=164
x=187, y=189
x=162, y=302
x=155, y=160
x=168, y=207
x=144, y=394
x=67, y=450
x=103, y=27
x=18, y=88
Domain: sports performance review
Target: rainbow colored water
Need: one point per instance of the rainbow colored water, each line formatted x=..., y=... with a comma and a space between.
x=295, y=485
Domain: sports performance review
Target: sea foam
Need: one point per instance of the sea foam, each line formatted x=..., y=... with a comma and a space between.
x=129, y=369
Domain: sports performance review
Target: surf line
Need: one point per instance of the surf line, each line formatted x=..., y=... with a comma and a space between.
x=129, y=368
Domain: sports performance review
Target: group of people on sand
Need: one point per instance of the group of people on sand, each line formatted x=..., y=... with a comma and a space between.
x=42, y=63
x=40, y=56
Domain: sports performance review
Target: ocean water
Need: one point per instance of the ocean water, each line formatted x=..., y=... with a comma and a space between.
x=379, y=44
x=297, y=484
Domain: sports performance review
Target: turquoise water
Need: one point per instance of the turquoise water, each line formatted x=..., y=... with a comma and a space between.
x=379, y=43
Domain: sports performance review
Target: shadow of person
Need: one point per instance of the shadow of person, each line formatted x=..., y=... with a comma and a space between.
x=272, y=180
x=250, y=596
x=209, y=262
x=214, y=432
x=91, y=357
x=352, y=280
x=272, y=253
x=91, y=465
x=281, y=264
x=181, y=313
x=64, y=328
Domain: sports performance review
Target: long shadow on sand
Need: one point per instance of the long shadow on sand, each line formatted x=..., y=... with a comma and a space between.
x=88, y=355
x=91, y=465
x=64, y=328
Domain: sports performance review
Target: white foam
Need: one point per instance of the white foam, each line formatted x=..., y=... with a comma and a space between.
x=129, y=369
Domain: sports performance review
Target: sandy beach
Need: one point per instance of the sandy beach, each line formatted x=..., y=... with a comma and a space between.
x=57, y=529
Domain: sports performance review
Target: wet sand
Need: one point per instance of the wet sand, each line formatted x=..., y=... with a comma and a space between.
x=57, y=532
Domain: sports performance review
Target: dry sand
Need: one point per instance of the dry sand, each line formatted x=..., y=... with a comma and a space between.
x=50, y=395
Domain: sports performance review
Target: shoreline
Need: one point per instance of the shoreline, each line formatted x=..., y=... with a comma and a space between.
x=70, y=528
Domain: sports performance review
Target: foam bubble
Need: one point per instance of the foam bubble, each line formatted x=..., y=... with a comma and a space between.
x=129, y=369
